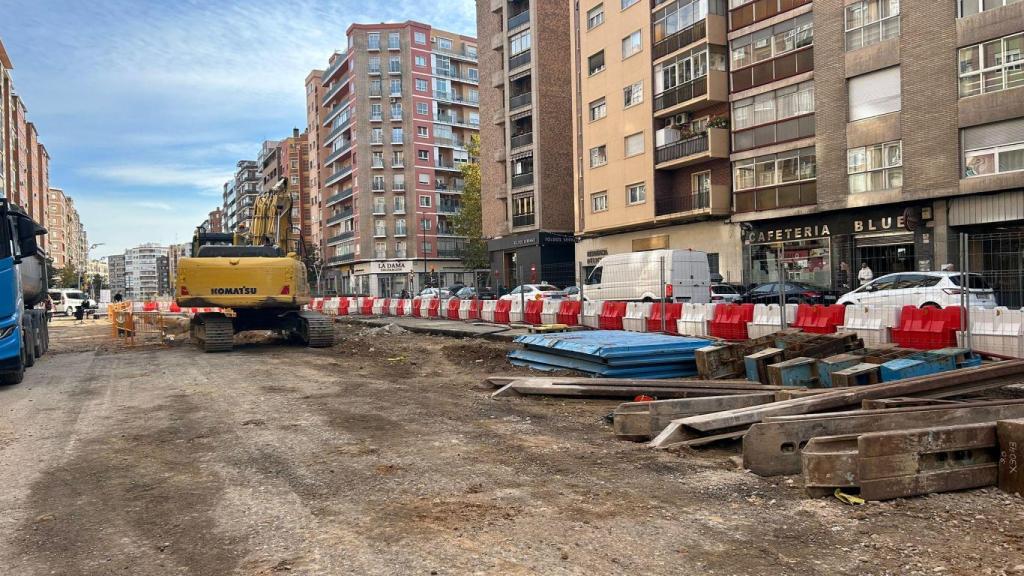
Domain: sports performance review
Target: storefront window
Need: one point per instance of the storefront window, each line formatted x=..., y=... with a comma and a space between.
x=799, y=261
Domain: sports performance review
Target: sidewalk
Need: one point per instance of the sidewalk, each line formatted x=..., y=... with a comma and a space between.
x=457, y=329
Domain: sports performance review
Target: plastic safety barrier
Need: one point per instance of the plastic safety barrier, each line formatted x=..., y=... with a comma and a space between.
x=532, y=312
x=695, y=318
x=873, y=324
x=487, y=310
x=475, y=305
x=592, y=313
x=635, y=319
x=997, y=331
x=379, y=307
x=452, y=308
x=329, y=306
x=433, y=307
x=366, y=305
x=927, y=328
x=672, y=313
x=549, y=315
x=569, y=313
x=612, y=313
x=502, y=312
x=768, y=319
x=818, y=319
x=417, y=309
x=150, y=307
x=515, y=311
x=392, y=309
x=730, y=321
x=464, y=306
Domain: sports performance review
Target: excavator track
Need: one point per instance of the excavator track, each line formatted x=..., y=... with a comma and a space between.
x=317, y=330
x=213, y=332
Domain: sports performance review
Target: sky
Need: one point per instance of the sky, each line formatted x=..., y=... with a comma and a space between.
x=146, y=106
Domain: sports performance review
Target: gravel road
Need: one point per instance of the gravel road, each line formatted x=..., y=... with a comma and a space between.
x=381, y=456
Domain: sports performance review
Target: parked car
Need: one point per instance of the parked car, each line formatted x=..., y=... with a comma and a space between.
x=725, y=293
x=796, y=293
x=66, y=300
x=571, y=293
x=922, y=289
x=470, y=292
x=637, y=276
x=435, y=293
x=534, y=292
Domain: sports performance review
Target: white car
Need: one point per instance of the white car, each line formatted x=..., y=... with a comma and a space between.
x=428, y=293
x=534, y=292
x=725, y=293
x=922, y=289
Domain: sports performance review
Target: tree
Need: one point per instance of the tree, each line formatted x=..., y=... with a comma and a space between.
x=469, y=220
x=314, y=264
x=67, y=277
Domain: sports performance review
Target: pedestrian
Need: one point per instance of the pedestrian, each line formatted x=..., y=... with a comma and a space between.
x=118, y=297
x=865, y=275
x=48, y=306
x=843, y=277
x=80, y=314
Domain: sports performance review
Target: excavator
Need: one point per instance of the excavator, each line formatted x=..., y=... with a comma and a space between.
x=255, y=277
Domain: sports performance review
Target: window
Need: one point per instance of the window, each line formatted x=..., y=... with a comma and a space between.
x=595, y=16
x=379, y=205
x=599, y=202
x=519, y=43
x=295, y=179
x=375, y=87
x=380, y=250
x=425, y=224
x=375, y=111
x=423, y=155
x=419, y=38
x=701, y=183
x=400, y=248
x=394, y=65
x=397, y=159
x=633, y=94
x=421, y=85
x=422, y=109
x=992, y=66
x=681, y=15
x=378, y=184
x=773, y=42
x=373, y=65
x=598, y=156
x=779, y=116
x=376, y=159
x=394, y=41
x=396, y=110
x=421, y=61
x=596, y=63
x=522, y=206
x=636, y=193
x=634, y=144
x=628, y=3
x=877, y=167
x=631, y=45
x=874, y=94
x=400, y=229
x=688, y=66
x=994, y=148
x=373, y=41
x=399, y=182
x=428, y=247
x=775, y=169
x=423, y=179
x=871, y=21
x=396, y=87
x=598, y=109
x=376, y=136
x=444, y=43
x=380, y=228
x=422, y=132
x=396, y=135
x=971, y=7
x=425, y=202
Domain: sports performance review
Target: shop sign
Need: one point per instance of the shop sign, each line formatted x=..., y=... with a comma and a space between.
x=594, y=256
x=838, y=225
x=658, y=242
x=391, y=266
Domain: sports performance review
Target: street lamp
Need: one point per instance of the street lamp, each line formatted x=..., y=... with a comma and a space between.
x=80, y=272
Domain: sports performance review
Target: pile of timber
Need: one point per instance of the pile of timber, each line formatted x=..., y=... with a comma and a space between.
x=583, y=387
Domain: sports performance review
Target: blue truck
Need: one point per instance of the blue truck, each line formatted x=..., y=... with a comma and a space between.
x=24, y=334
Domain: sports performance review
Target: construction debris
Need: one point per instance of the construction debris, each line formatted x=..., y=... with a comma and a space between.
x=1010, y=434
x=642, y=420
x=603, y=388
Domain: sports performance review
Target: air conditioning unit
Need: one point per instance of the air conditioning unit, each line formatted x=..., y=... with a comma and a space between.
x=679, y=120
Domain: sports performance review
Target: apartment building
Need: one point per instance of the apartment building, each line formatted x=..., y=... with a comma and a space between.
x=116, y=272
x=146, y=272
x=651, y=118
x=216, y=220
x=527, y=164
x=399, y=106
x=68, y=243
x=316, y=132
x=288, y=159
x=239, y=193
x=175, y=252
x=861, y=135
x=5, y=105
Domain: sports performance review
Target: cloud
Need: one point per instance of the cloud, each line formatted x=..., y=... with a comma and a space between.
x=206, y=180
x=156, y=206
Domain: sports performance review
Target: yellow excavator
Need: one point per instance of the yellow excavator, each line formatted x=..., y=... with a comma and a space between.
x=255, y=277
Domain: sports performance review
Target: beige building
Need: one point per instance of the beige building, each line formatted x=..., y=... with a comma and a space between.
x=651, y=124
x=526, y=136
x=68, y=242
x=397, y=111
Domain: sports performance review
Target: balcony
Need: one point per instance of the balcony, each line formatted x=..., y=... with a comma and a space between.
x=336, y=88
x=785, y=66
x=345, y=149
x=454, y=75
x=449, y=142
x=455, y=98
x=522, y=180
x=753, y=12
x=343, y=215
x=338, y=176
x=452, y=120
x=340, y=237
x=522, y=140
x=464, y=54
x=684, y=37
x=694, y=95
x=693, y=150
x=521, y=220
x=342, y=258
x=497, y=5
x=447, y=209
x=518, y=60
x=683, y=206
x=520, y=100
x=339, y=197
x=446, y=189
x=521, y=19
x=451, y=166
x=339, y=61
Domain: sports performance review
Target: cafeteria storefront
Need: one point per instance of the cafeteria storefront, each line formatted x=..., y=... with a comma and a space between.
x=827, y=249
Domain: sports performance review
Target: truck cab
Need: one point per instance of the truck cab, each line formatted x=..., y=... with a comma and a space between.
x=24, y=335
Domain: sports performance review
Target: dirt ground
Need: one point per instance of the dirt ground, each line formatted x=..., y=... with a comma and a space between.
x=382, y=456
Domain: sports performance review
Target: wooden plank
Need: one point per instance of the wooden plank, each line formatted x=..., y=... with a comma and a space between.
x=930, y=483
x=773, y=447
x=839, y=398
x=641, y=420
x=886, y=403
x=521, y=388
x=1011, y=455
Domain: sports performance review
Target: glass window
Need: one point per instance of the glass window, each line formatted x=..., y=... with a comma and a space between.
x=871, y=21
x=421, y=85
x=378, y=184
x=992, y=66
x=634, y=144
x=876, y=167
x=595, y=63
x=773, y=42
x=373, y=41
x=631, y=44
x=633, y=94
x=595, y=16
x=599, y=202
x=519, y=43
x=628, y=3
x=636, y=193
x=598, y=109
x=394, y=40
x=422, y=109
x=874, y=94
x=598, y=156
x=420, y=38
x=425, y=202
x=445, y=43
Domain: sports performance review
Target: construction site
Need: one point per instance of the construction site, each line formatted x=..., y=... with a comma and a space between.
x=398, y=450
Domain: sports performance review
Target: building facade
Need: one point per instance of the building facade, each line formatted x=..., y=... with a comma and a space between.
x=527, y=167
x=239, y=194
x=399, y=107
x=651, y=99
x=216, y=220
x=315, y=134
x=116, y=271
x=146, y=272
x=68, y=243
x=175, y=252
x=6, y=87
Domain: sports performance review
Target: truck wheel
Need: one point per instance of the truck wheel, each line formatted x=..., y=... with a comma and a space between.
x=15, y=377
x=29, y=345
x=46, y=337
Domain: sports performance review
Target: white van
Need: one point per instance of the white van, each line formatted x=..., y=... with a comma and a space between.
x=65, y=300
x=637, y=276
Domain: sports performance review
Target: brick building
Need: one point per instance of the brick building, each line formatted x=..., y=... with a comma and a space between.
x=216, y=220
x=526, y=139
x=239, y=193
x=68, y=243
x=397, y=110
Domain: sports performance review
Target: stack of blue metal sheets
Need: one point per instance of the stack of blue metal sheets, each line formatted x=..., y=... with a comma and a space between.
x=610, y=353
